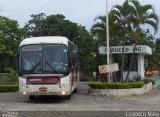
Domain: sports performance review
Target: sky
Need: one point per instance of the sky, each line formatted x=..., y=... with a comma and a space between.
x=82, y=12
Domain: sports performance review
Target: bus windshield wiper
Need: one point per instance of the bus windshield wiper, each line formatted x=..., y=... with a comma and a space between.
x=51, y=67
x=30, y=71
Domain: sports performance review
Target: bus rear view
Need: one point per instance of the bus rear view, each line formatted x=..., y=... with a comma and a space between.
x=48, y=66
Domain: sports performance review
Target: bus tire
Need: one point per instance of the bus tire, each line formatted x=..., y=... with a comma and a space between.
x=68, y=97
x=75, y=90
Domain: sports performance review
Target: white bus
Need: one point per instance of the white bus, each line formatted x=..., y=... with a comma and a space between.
x=48, y=66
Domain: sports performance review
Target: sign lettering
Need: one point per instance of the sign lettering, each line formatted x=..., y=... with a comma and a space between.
x=126, y=49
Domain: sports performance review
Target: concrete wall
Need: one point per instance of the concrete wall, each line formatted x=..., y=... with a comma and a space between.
x=4, y=79
x=121, y=92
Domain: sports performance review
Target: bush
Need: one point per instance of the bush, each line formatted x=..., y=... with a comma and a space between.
x=103, y=79
x=84, y=79
x=147, y=80
x=118, y=85
x=13, y=76
x=153, y=81
x=9, y=88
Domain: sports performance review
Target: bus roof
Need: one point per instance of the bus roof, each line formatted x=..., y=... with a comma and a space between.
x=45, y=39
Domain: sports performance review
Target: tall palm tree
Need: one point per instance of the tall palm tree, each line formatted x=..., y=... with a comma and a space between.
x=129, y=19
x=124, y=18
x=99, y=30
x=142, y=15
x=132, y=15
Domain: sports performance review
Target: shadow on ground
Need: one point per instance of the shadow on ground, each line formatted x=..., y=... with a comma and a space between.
x=46, y=99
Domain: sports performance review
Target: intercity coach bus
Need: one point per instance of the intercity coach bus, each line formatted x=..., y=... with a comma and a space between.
x=48, y=66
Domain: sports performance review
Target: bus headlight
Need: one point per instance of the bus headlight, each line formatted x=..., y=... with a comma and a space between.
x=23, y=87
x=63, y=92
x=24, y=93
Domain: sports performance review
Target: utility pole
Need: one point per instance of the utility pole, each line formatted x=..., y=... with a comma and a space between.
x=107, y=39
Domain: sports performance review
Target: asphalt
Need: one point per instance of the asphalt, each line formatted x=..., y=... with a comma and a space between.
x=80, y=105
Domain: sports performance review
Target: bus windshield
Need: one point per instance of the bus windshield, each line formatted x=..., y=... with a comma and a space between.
x=43, y=59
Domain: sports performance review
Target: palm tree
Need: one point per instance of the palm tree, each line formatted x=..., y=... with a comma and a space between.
x=129, y=19
x=124, y=18
x=132, y=15
x=142, y=15
x=99, y=30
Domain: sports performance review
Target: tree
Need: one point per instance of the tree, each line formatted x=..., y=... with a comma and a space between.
x=87, y=50
x=116, y=31
x=132, y=19
x=52, y=25
x=143, y=15
x=98, y=30
x=154, y=60
x=124, y=18
x=58, y=25
x=126, y=26
x=10, y=36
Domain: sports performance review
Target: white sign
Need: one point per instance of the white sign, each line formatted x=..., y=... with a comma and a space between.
x=108, y=68
x=127, y=49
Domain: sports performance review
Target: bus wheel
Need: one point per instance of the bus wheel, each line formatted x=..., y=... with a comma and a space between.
x=68, y=97
x=31, y=97
x=75, y=90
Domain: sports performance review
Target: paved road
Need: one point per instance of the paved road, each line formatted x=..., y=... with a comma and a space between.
x=81, y=101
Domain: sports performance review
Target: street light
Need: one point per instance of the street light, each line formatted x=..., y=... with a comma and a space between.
x=107, y=38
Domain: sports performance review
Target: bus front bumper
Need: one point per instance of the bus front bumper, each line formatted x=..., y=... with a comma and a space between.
x=60, y=90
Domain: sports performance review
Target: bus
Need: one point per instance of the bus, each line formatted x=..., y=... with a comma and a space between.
x=48, y=66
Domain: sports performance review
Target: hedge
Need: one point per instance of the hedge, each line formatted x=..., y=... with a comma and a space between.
x=9, y=88
x=117, y=85
x=147, y=80
x=153, y=82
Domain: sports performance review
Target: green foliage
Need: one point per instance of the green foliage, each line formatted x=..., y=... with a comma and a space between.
x=153, y=82
x=10, y=36
x=132, y=19
x=52, y=25
x=84, y=79
x=154, y=60
x=103, y=79
x=12, y=76
x=118, y=85
x=9, y=88
x=125, y=27
x=148, y=80
x=86, y=47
